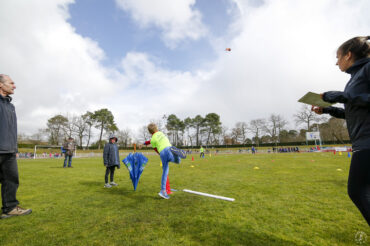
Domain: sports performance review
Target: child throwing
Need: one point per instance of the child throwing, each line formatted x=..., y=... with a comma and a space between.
x=167, y=153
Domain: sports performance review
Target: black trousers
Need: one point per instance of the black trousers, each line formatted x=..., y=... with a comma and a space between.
x=9, y=181
x=109, y=170
x=359, y=182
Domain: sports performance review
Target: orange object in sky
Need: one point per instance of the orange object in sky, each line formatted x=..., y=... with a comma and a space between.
x=228, y=49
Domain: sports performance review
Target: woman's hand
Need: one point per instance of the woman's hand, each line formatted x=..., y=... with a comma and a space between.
x=317, y=110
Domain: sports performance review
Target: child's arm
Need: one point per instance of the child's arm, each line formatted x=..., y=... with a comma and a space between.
x=147, y=143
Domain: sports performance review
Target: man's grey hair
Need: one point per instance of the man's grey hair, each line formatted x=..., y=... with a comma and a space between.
x=2, y=78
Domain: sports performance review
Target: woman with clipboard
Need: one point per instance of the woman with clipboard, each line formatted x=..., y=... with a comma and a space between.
x=354, y=58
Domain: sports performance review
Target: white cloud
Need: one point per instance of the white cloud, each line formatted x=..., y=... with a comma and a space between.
x=155, y=91
x=178, y=20
x=283, y=49
x=55, y=69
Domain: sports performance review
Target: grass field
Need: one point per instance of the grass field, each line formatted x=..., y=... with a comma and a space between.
x=292, y=199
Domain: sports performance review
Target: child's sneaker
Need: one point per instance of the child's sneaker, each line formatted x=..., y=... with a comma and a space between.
x=164, y=195
x=107, y=185
x=113, y=184
x=179, y=152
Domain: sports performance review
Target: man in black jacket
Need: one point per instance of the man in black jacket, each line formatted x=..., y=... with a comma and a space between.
x=8, y=148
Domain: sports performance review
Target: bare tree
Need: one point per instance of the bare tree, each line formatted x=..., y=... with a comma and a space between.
x=239, y=132
x=82, y=127
x=281, y=123
x=273, y=126
x=256, y=127
x=124, y=137
x=236, y=135
x=306, y=116
x=39, y=136
x=69, y=128
x=22, y=137
x=224, y=135
x=143, y=134
x=244, y=130
x=89, y=117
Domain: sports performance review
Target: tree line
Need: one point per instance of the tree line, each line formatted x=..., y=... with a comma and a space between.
x=196, y=131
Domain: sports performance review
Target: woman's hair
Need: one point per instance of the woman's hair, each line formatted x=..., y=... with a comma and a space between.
x=152, y=128
x=358, y=46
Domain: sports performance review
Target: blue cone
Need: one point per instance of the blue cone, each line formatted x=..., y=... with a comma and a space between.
x=135, y=164
x=349, y=154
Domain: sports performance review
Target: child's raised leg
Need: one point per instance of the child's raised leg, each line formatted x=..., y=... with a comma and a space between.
x=178, y=152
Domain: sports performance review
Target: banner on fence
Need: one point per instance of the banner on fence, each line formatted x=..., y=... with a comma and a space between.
x=312, y=135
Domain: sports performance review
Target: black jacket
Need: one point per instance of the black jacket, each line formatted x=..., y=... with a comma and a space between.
x=111, y=154
x=356, y=99
x=8, y=126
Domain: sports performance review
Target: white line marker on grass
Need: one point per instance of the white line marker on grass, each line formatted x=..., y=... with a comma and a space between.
x=209, y=195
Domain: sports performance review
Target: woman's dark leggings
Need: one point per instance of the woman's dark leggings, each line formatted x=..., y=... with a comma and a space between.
x=111, y=171
x=359, y=182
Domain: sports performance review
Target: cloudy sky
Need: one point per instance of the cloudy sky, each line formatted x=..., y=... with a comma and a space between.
x=143, y=58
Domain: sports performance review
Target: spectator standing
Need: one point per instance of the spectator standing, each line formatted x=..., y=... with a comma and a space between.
x=9, y=177
x=69, y=147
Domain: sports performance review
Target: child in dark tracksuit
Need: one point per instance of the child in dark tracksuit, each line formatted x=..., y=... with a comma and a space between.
x=111, y=160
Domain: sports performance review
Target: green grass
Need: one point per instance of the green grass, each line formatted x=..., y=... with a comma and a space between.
x=293, y=199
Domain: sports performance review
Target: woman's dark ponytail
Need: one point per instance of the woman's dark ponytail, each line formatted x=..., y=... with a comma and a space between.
x=358, y=46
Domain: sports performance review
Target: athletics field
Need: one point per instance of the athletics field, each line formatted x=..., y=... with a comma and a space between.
x=280, y=199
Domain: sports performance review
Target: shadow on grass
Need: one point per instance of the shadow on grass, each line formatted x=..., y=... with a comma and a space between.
x=119, y=191
x=212, y=233
x=96, y=184
x=131, y=194
x=341, y=183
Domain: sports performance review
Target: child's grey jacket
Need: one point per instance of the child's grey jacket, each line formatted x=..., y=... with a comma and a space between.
x=111, y=154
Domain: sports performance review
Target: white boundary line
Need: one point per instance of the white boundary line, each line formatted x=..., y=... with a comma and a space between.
x=209, y=195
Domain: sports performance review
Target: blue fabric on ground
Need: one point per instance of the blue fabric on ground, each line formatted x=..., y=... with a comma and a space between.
x=135, y=164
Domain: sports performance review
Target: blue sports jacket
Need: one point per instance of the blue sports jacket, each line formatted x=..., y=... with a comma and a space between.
x=356, y=99
x=8, y=126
